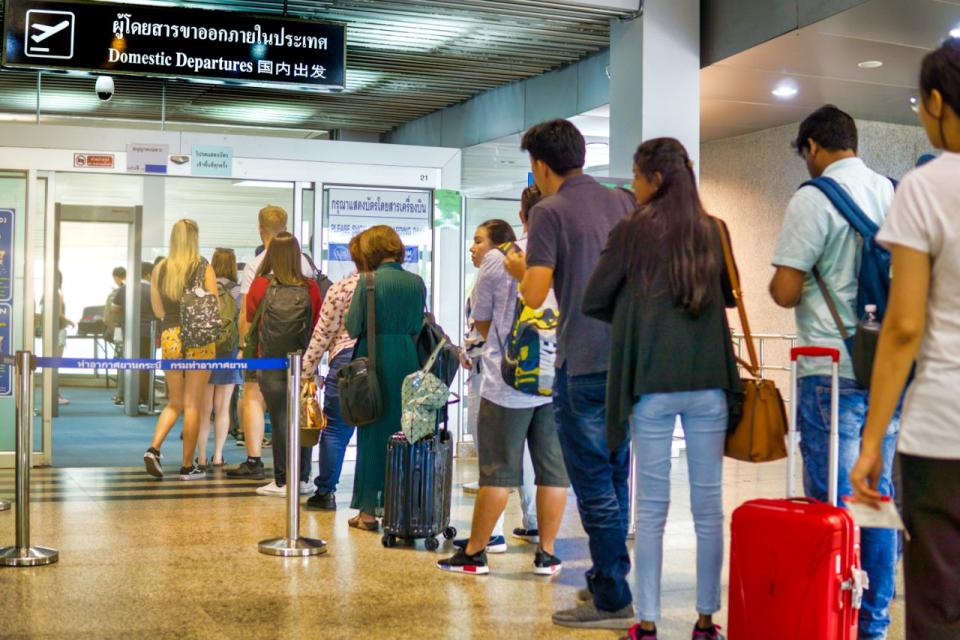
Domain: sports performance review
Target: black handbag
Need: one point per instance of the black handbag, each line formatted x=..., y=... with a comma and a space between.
x=431, y=336
x=360, y=399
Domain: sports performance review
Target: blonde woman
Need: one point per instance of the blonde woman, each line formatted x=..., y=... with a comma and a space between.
x=222, y=383
x=186, y=390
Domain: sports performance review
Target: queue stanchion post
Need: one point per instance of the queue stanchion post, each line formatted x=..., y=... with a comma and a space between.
x=632, y=496
x=22, y=554
x=152, y=389
x=293, y=544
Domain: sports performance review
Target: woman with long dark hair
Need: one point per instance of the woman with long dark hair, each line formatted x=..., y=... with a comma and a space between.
x=922, y=232
x=283, y=306
x=662, y=283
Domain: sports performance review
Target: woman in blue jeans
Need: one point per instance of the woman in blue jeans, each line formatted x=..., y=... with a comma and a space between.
x=661, y=282
x=330, y=337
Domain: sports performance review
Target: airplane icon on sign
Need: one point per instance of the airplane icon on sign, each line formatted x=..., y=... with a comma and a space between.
x=49, y=34
x=48, y=31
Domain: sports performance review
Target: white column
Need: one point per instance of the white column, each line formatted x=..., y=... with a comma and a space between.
x=655, y=80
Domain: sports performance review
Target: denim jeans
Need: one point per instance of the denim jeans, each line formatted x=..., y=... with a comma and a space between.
x=878, y=547
x=704, y=417
x=337, y=435
x=599, y=479
x=273, y=386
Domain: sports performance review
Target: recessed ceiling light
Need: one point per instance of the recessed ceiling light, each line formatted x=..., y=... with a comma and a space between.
x=785, y=90
x=871, y=64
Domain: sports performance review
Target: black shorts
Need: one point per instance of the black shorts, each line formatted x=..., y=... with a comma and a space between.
x=501, y=433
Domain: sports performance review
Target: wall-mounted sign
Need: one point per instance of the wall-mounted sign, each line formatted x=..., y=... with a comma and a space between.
x=212, y=161
x=146, y=40
x=7, y=217
x=147, y=158
x=93, y=160
x=353, y=210
x=6, y=347
x=6, y=256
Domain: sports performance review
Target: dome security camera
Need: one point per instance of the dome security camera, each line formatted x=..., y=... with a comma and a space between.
x=105, y=88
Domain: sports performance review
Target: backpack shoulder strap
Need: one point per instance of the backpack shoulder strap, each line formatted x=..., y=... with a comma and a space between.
x=845, y=205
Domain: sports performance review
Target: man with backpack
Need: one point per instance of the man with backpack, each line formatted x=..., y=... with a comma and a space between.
x=820, y=262
x=273, y=220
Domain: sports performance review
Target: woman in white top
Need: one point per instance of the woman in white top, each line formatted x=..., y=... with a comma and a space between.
x=922, y=322
x=330, y=337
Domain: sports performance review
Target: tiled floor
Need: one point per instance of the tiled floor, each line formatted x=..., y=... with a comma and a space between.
x=147, y=559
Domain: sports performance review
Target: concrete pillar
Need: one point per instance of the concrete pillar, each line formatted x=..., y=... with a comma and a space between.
x=655, y=80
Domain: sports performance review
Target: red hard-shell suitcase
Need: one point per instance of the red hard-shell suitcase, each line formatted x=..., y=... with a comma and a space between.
x=795, y=563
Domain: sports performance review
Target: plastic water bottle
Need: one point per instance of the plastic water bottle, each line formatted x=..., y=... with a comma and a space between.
x=869, y=321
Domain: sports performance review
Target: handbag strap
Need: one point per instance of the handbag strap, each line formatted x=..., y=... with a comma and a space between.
x=433, y=357
x=371, y=287
x=753, y=366
x=831, y=305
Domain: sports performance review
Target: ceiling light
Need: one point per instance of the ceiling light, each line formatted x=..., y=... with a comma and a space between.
x=785, y=90
x=871, y=64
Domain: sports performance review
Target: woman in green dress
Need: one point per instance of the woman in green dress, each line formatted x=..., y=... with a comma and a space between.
x=400, y=299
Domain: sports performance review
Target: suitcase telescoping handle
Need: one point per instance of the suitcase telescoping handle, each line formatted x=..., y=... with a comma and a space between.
x=815, y=352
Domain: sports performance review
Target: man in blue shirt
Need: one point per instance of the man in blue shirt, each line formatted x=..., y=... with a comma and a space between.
x=815, y=235
x=568, y=230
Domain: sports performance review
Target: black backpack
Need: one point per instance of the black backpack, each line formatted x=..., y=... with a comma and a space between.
x=286, y=321
x=430, y=337
x=323, y=282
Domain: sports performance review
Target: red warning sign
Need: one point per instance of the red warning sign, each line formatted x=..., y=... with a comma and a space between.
x=93, y=160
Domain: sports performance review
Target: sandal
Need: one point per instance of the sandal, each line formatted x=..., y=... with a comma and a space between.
x=358, y=523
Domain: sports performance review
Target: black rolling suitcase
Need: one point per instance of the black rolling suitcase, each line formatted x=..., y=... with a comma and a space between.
x=417, y=490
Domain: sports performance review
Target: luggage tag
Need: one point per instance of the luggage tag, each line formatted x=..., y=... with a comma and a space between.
x=866, y=517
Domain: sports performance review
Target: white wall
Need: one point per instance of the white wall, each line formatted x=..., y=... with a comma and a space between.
x=748, y=181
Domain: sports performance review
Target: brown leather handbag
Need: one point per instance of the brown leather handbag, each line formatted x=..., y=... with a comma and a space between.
x=758, y=426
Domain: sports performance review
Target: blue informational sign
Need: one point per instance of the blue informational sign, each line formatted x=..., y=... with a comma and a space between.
x=212, y=161
x=6, y=256
x=7, y=217
x=6, y=340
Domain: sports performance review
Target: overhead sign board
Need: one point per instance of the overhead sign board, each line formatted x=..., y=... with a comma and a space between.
x=147, y=158
x=212, y=161
x=198, y=44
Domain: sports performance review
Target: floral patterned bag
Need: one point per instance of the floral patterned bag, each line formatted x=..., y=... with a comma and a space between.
x=423, y=395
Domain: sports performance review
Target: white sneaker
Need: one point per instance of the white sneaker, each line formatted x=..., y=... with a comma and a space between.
x=471, y=488
x=271, y=490
x=307, y=488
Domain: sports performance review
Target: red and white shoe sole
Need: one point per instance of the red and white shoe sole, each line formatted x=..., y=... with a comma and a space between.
x=548, y=571
x=469, y=570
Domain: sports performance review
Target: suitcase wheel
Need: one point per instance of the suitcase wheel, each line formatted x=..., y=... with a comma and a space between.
x=389, y=540
x=450, y=533
x=432, y=544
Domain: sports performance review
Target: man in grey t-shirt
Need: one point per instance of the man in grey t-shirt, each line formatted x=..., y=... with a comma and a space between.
x=568, y=230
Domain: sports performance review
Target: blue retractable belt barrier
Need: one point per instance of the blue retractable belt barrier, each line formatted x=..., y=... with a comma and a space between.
x=127, y=364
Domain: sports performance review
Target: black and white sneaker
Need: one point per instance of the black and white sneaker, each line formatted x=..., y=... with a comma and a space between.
x=192, y=473
x=530, y=535
x=151, y=460
x=546, y=564
x=460, y=562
